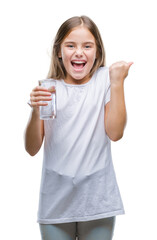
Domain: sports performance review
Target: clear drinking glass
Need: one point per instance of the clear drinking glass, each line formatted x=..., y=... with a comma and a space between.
x=49, y=112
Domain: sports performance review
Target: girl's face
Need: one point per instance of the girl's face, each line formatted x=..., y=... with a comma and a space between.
x=78, y=53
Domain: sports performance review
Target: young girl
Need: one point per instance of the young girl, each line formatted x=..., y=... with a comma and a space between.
x=79, y=195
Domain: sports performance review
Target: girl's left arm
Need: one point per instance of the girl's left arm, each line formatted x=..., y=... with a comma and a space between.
x=115, y=110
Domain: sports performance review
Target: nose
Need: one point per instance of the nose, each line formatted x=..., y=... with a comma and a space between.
x=79, y=52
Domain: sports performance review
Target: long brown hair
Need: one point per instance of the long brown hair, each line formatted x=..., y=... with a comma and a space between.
x=57, y=70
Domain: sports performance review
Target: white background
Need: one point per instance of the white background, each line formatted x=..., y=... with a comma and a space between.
x=128, y=29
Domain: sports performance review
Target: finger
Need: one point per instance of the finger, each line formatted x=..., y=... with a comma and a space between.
x=40, y=98
x=52, y=89
x=40, y=88
x=129, y=64
x=40, y=93
x=38, y=104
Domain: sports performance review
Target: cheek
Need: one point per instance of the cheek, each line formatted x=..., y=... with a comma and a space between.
x=65, y=53
x=93, y=54
x=92, y=57
x=65, y=60
x=64, y=57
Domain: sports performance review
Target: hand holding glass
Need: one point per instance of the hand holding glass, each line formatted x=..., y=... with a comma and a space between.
x=49, y=112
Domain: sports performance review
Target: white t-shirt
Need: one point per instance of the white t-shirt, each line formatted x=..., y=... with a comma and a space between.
x=78, y=179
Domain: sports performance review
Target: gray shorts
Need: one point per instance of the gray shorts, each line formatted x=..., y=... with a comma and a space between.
x=101, y=229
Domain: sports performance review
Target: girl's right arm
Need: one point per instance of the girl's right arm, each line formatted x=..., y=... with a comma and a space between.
x=34, y=133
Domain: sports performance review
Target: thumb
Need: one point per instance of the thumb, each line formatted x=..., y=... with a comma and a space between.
x=129, y=64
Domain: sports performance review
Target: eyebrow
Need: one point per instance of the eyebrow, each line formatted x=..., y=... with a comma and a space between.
x=89, y=42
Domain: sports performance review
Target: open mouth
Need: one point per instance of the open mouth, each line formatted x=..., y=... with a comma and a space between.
x=78, y=65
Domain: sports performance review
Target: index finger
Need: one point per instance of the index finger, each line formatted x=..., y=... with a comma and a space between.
x=40, y=88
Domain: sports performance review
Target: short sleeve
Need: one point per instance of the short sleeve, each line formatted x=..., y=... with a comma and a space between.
x=108, y=89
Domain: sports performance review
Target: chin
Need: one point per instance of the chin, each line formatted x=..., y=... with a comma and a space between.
x=79, y=76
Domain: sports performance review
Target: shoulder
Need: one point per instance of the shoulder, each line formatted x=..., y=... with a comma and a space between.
x=102, y=72
x=103, y=69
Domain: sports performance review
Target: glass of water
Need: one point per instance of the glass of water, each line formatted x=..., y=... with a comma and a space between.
x=49, y=111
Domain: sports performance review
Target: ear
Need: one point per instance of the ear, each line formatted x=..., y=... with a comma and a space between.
x=59, y=54
x=97, y=55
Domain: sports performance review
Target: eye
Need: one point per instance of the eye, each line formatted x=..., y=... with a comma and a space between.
x=87, y=46
x=70, y=46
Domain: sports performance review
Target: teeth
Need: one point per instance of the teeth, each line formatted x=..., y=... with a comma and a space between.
x=78, y=62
